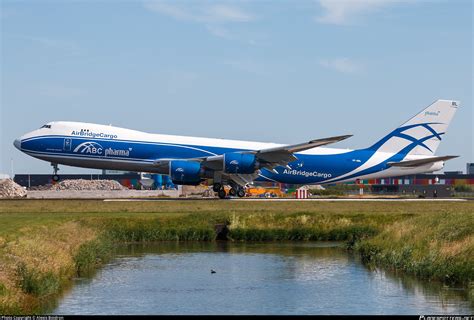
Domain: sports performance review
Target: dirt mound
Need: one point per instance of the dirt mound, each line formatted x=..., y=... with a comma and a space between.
x=81, y=184
x=10, y=189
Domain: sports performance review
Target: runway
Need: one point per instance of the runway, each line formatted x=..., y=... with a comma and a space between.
x=290, y=199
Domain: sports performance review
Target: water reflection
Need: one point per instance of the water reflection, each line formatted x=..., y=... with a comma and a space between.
x=252, y=278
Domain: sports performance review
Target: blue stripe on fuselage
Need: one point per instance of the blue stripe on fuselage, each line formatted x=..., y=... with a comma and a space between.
x=307, y=169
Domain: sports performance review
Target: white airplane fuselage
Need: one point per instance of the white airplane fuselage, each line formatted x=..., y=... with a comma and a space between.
x=96, y=146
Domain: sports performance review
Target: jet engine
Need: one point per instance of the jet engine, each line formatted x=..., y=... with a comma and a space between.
x=185, y=172
x=243, y=163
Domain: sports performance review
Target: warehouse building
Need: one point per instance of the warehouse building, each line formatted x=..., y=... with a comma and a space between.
x=424, y=185
x=470, y=168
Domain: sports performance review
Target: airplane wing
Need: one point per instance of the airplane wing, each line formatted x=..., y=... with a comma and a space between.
x=162, y=163
x=266, y=158
x=419, y=162
x=285, y=154
x=277, y=156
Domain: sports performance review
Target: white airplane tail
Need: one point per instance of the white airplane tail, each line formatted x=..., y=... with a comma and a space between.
x=422, y=134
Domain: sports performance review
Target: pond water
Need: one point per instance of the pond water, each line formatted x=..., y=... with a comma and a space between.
x=252, y=278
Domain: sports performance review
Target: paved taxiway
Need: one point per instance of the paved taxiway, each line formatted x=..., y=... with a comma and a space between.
x=292, y=199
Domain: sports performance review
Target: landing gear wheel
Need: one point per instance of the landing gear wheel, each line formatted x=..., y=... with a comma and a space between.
x=241, y=193
x=232, y=192
x=55, y=176
x=221, y=193
x=216, y=187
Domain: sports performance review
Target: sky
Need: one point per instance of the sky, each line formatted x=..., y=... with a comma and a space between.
x=271, y=71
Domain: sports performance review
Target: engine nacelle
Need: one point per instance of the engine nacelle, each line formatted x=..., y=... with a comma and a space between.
x=244, y=163
x=185, y=172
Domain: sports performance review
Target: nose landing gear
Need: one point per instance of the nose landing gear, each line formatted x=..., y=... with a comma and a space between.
x=55, y=176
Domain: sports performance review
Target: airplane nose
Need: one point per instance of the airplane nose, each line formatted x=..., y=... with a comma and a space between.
x=17, y=144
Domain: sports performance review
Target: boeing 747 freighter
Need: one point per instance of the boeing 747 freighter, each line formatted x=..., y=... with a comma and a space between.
x=409, y=149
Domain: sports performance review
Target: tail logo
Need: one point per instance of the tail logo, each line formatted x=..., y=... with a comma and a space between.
x=399, y=133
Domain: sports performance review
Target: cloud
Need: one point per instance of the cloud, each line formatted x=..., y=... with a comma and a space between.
x=214, y=16
x=341, y=12
x=228, y=13
x=344, y=65
x=203, y=12
x=173, y=11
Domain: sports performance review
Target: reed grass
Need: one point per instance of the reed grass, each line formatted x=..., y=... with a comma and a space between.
x=427, y=246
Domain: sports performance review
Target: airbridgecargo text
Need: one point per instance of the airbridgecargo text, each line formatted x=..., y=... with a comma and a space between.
x=307, y=174
x=87, y=133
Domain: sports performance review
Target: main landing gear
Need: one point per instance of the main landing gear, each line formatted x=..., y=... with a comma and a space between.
x=219, y=188
x=216, y=187
x=241, y=193
x=55, y=176
x=221, y=193
x=234, y=191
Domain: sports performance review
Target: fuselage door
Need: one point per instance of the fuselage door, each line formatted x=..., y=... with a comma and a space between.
x=67, y=144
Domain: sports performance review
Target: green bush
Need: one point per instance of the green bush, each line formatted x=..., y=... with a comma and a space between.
x=464, y=188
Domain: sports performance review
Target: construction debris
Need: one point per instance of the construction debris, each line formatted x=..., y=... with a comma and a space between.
x=81, y=184
x=199, y=190
x=9, y=189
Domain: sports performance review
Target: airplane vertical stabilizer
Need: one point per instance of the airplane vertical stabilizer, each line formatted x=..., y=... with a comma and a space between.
x=422, y=134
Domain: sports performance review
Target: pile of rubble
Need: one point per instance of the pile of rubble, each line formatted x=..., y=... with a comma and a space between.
x=81, y=184
x=200, y=190
x=9, y=189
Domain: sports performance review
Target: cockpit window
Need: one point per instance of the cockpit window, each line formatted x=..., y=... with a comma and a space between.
x=47, y=126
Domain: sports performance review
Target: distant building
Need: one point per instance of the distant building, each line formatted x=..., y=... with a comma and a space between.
x=453, y=172
x=424, y=185
x=470, y=168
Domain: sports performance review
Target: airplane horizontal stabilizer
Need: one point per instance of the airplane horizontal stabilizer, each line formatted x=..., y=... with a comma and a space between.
x=419, y=162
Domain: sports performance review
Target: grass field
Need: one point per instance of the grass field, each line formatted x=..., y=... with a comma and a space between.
x=44, y=243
